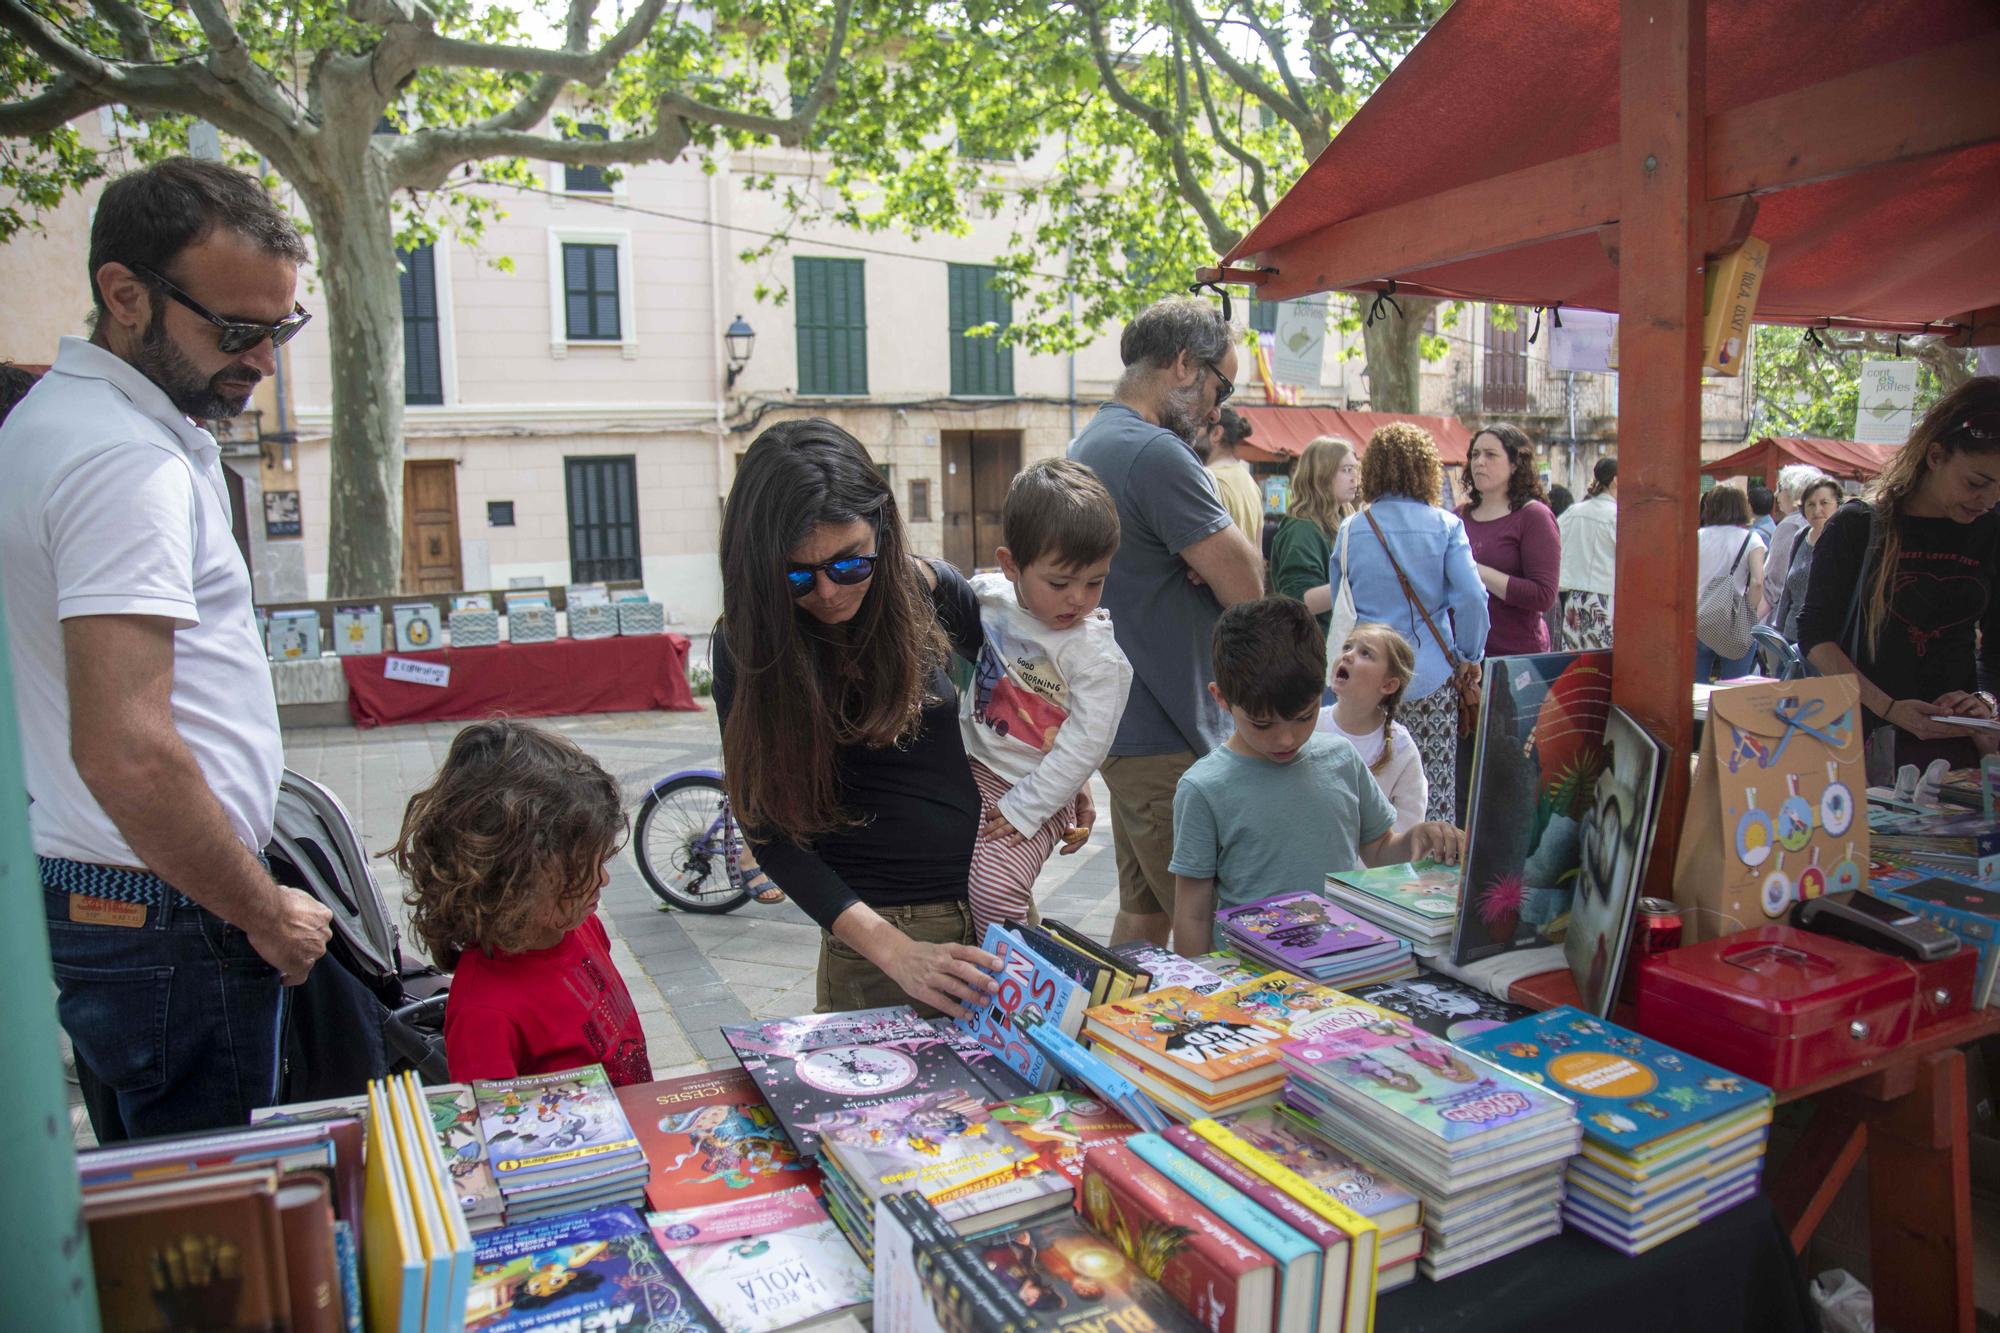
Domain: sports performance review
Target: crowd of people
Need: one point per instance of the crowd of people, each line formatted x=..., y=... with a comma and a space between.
x=1258, y=722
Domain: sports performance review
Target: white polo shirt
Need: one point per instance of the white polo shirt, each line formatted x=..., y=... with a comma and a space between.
x=113, y=503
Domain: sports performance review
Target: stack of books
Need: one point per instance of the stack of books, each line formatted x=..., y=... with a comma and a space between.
x=1195, y=1055
x=1393, y=1207
x=1668, y=1140
x=1955, y=840
x=597, y=1269
x=1962, y=905
x=945, y=1146
x=1484, y=1149
x=1063, y=1126
x=773, y=1261
x=1304, y=934
x=1442, y=1006
x=1168, y=968
x=559, y=1142
x=1031, y=989
x=1417, y=900
x=1085, y=1070
x=1100, y=970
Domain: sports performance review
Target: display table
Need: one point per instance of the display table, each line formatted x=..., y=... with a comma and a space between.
x=617, y=675
x=1733, y=1272
x=1906, y=1110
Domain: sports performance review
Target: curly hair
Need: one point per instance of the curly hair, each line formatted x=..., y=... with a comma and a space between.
x=1401, y=459
x=1523, y=484
x=514, y=814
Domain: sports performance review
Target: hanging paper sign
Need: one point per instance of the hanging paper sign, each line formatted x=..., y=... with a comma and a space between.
x=1888, y=406
x=416, y=673
x=1298, y=343
x=1583, y=342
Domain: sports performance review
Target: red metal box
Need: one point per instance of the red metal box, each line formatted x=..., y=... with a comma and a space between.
x=1944, y=988
x=1778, y=1005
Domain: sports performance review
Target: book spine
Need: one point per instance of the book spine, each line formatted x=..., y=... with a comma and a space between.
x=349, y=1261
x=981, y=1298
x=1086, y=1068
x=1205, y=1262
x=1273, y=1200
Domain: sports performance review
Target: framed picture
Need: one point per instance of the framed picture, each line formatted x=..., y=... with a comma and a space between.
x=281, y=514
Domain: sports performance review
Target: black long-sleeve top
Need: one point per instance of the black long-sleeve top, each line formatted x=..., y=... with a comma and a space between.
x=918, y=809
x=1941, y=594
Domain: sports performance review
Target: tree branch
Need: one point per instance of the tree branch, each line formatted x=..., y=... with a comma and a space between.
x=570, y=65
x=541, y=99
x=1274, y=43
x=426, y=159
x=135, y=35
x=228, y=57
x=1312, y=136
x=51, y=45
x=62, y=102
x=1258, y=194
x=789, y=130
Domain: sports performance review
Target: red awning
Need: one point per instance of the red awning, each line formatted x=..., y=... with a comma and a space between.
x=1849, y=459
x=1790, y=84
x=1277, y=433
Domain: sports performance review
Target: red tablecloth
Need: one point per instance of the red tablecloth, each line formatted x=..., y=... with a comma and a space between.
x=619, y=675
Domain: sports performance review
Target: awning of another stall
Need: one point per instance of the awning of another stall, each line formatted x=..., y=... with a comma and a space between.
x=1849, y=460
x=1281, y=433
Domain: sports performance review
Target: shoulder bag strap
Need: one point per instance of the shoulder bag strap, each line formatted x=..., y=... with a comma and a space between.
x=1409, y=593
x=1850, y=628
x=1741, y=551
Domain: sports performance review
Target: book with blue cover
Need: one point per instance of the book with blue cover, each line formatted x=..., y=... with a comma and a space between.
x=1967, y=908
x=587, y=1270
x=1631, y=1091
x=1087, y=1069
x=1031, y=991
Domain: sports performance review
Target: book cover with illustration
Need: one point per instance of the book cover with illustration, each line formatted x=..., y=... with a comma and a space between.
x=1063, y=1126
x=1375, y=1194
x=1442, y=1006
x=1618, y=834
x=1197, y=1039
x=1073, y=1276
x=539, y=1124
x=1031, y=990
x=1424, y=889
x=1086, y=970
x=1205, y=1264
x=1297, y=1005
x=986, y=1064
x=1630, y=1090
x=1299, y=929
x=1169, y=968
x=1534, y=780
x=822, y=1064
x=455, y=1120
x=945, y=1145
x=765, y=1263
x=710, y=1138
x=589, y=1270
x=1230, y=966
x=1445, y=1096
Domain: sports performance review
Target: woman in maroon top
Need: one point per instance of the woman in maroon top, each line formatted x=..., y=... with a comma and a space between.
x=1514, y=540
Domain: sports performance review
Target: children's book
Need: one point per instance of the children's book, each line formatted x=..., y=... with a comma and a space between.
x=1230, y=966
x=1196, y=1039
x=1630, y=1090
x=1169, y=968
x=454, y=1117
x=588, y=1270
x=1426, y=890
x=1085, y=970
x=1086, y=1069
x=948, y=1147
x=1296, y=1005
x=1442, y=1006
x=710, y=1138
x=1063, y=1126
x=823, y=1064
x=765, y=1263
x=987, y=1065
x=1296, y=930
x=538, y=1125
x=1617, y=840
x=1125, y=980
x=1030, y=988
x=1073, y=1277
x=1376, y=1194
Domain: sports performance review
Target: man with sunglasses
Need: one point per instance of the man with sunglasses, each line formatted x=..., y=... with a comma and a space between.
x=1180, y=563
x=149, y=728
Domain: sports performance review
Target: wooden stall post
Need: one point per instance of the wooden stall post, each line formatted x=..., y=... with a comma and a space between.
x=1662, y=201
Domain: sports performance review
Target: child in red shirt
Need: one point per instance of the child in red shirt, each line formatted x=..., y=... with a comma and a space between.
x=505, y=854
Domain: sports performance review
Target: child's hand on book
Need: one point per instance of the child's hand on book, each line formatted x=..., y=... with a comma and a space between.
x=1438, y=841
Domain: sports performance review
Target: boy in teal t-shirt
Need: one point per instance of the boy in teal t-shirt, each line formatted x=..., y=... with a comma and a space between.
x=1279, y=805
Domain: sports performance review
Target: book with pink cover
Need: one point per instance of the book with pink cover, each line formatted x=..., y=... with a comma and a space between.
x=1298, y=930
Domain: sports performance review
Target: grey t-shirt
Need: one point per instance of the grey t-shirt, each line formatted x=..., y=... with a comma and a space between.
x=1166, y=503
x=1259, y=828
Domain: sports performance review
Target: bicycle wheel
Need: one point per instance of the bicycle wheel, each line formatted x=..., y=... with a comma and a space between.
x=684, y=840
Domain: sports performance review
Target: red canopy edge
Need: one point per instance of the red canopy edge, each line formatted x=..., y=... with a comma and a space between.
x=1277, y=432
x=1848, y=459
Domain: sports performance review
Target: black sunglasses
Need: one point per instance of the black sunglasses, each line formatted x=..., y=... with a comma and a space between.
x=847, y=571
x=1228, y=385
x=236, y=335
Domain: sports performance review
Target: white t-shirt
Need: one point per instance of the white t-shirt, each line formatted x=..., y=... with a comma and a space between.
x=1044, y=703
x=1718, y=545
x=115, y=504
x=1402, y=779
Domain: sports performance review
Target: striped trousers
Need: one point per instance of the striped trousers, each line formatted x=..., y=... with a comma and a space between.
x=1001, y=884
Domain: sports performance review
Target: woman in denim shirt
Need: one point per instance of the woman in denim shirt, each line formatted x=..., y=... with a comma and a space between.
x=1400, y=478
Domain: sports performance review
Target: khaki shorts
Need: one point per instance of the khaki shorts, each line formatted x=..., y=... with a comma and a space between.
x=847, y=981
x=1142, y=827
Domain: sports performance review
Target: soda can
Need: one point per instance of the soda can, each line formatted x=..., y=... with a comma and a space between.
x=1657, y=927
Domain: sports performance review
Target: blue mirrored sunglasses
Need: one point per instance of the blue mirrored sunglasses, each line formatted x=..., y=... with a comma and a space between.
x=847, y=571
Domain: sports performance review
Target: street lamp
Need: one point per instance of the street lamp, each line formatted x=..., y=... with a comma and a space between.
x=739, y=339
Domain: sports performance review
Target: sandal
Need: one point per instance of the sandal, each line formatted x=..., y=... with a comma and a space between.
x=769, y=894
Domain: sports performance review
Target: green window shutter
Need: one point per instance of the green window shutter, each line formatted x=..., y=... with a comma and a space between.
x=423, y=368
x=1263, y=315
x=980, y=366
x=590, y=292
x=830, y=300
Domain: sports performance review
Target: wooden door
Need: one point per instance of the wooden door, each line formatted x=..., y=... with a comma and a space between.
x=430, y=526
x=978, y=466
x=1506, y=381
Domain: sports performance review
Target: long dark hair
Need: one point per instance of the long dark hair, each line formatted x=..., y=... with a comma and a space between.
x=805, y=689
x=1523, y=483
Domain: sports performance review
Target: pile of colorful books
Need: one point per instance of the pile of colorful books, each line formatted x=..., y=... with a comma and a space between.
x=1668, y=1140
x=1485, y=1149
x=1305, y=934
x=769, y=1261
x=559, y=1142
x=595, y=1269
x=1965, y=905
x=1195, y=1055
x=1416, y=900
x=1168, y=968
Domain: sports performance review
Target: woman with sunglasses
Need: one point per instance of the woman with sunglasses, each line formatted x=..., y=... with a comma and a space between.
x=840, y=734
x=1902, y=588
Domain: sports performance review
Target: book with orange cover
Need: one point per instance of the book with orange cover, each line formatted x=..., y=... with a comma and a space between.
x=1200, y=1041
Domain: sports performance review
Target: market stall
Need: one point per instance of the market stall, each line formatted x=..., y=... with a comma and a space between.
x=1850, y=460
x=623, y=674
x=1280, y=433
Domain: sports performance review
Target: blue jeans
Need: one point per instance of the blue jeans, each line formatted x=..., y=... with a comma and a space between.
x=175, y=1022
x=1709, y=667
